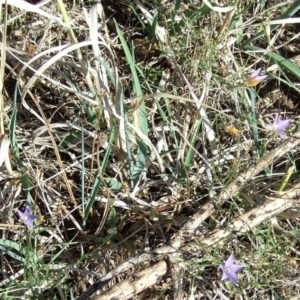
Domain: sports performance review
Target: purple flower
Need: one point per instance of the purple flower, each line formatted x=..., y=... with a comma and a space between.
x=26, y=217
x=229, y=269
x=279, y=125
x=255, y=78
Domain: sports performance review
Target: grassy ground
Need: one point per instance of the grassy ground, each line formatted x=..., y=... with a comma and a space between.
x=136, y=137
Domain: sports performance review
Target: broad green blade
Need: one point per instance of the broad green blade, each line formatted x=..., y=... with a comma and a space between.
x=284, y=63
x=142, y=113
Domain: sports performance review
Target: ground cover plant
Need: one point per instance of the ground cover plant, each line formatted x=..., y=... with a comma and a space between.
x=149, y=149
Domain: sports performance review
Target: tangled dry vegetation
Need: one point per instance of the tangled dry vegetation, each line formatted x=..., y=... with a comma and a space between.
x=128, y=131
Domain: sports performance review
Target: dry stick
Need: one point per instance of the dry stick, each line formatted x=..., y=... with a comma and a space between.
x=177, y=280
x=249, y=220
x=130, y=263
x=207, y=210
x=145, y=279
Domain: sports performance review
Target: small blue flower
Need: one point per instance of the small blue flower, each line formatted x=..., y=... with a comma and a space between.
x=255, y=78
x=229, y=269
x=26, y=217
x=279, y=125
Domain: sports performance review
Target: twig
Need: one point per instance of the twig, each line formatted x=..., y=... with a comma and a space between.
x=132, y=262
x=145, y=279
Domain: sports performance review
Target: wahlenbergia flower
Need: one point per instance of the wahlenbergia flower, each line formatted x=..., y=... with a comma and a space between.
x=229, y=269
x=26, y=217
x=255, y=78
x=279, y=125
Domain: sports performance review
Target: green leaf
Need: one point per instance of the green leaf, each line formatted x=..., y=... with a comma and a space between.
x=190, y=153
x=12, y=122
x=13, y=249
x=111, y=222
x=92, y=199
x=68, y=140
x=97, y=183
x=113, y=183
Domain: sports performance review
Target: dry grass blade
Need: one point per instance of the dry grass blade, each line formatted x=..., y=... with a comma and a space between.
x=4, y=154
x=218, y=8
x=26, y=89
x=60, y=163
x=39, y=72
x=21, y=4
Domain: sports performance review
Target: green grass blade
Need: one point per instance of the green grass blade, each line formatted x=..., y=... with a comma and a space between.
x=12, y=123
x=190, y=153
x=112, y=223
x=13, y=249
x=108, y=150
x=91, y=201
x=253, y=121
x=83, y=192
x=97, y=183
x=142, y=114
x=176, y=9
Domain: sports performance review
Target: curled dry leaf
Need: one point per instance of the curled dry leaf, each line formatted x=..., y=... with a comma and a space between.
x=232, y=130
x=4, y=154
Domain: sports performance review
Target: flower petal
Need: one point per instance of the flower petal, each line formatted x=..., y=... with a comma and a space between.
x=277, y=120
x=236, y=268
x=255, y=78
x=284, y=124
x=29, y=221
x=279, y=125
x=232, y=276
x=229, y=261
x=27, y=211
x=260, y=78
x=225, y=276
x=280, y=132
x=255, y=73
x=20, y=213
